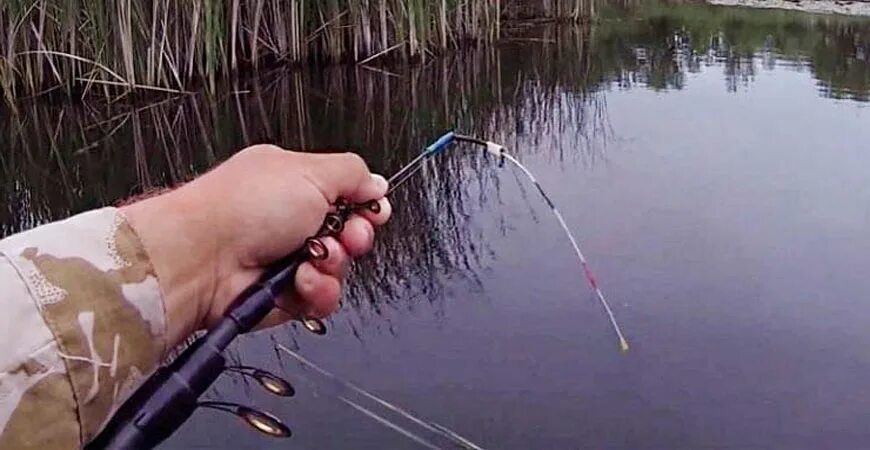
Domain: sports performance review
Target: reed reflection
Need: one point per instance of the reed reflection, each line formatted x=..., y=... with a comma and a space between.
x=64, y=160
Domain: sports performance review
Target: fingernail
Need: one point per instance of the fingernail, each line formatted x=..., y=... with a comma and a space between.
x=381, y=181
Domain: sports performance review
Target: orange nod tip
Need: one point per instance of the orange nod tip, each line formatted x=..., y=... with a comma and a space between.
x=623, y=345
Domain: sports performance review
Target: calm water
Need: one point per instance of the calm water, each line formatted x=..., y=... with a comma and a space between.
x=714, y=163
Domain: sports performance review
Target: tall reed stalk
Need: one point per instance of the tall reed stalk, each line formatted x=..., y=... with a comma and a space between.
x=113, y=47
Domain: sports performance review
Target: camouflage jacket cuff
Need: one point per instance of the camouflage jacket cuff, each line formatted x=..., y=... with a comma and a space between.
x=86, y=327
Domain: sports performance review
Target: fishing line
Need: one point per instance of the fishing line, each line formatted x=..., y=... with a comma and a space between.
x=365, y=411
x=500, y=151
x=389, y=424
x=430, y=426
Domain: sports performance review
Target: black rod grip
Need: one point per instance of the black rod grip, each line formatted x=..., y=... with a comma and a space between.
x=169, y=397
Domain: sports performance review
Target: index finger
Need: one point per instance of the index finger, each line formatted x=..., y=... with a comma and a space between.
x=345, y=175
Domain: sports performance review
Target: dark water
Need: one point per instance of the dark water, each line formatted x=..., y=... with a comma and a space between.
x=713, y=162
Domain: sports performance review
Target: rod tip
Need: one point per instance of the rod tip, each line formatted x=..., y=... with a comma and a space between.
x=495, y=149
x=442, y=143
x=623, y=345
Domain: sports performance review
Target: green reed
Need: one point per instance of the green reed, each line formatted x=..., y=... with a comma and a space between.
x=115, y=47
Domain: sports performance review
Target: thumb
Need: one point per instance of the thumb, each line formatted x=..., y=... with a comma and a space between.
x=345, y=175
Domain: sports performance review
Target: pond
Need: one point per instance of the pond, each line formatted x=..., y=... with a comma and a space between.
x=712, y=161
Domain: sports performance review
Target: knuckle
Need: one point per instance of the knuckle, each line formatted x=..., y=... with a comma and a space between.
x=261, y=149
x=355, y=162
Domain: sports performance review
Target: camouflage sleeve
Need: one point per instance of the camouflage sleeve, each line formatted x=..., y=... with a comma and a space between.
x=81, y=326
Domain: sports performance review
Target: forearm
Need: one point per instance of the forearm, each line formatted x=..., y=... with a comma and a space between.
x=98, y=299
x=179, y=235
x=83, y=326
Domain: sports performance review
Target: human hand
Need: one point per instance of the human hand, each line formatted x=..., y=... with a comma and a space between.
x=211, y=238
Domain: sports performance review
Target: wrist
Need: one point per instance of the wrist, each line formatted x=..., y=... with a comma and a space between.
x=176, y=235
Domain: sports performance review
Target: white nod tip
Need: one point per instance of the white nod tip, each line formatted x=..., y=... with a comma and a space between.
x=494, y=149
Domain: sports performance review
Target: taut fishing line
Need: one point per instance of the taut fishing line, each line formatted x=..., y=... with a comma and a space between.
x=500, y=151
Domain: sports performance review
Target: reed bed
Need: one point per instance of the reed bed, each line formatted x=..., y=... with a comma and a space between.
x=112, y=48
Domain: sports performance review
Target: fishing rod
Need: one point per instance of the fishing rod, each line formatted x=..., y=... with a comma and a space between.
x=587, y=272
x=171, y=395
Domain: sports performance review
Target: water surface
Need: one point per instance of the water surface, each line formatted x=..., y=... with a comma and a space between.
x=712, y=161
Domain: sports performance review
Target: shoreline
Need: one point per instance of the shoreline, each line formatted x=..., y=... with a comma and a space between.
x=845, y=8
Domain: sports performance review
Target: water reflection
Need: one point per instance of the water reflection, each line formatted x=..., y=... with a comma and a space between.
x=544, y=91
x=544, y=84
x=656, y=45
x=63, y=160
x=60, y=160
